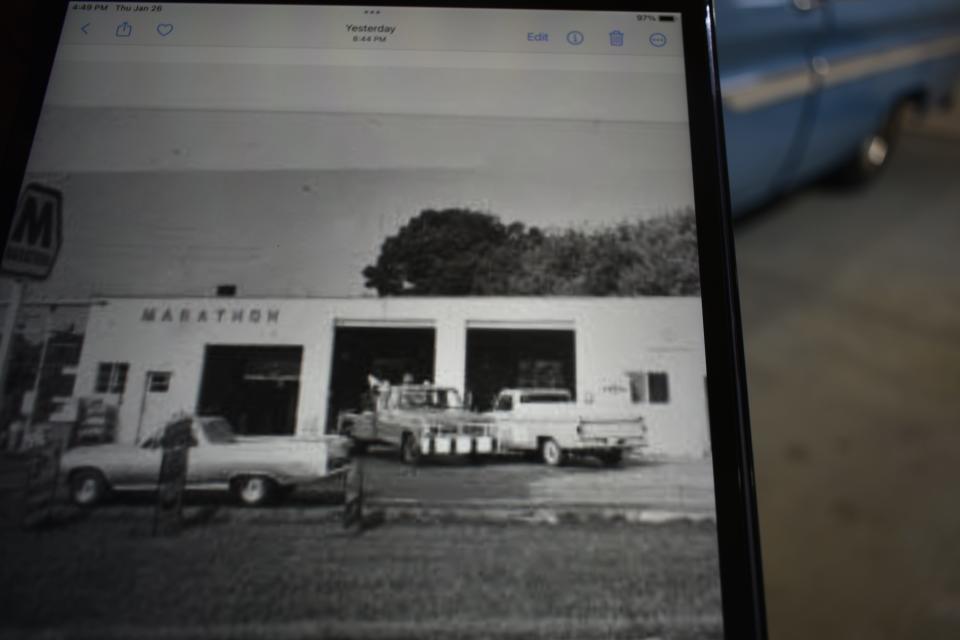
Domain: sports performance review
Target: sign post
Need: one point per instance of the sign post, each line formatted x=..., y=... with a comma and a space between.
x=353, y=497
x=38, y=379
x=30, y=253
x=168, y=513
x=42, y=482
x=6, y=341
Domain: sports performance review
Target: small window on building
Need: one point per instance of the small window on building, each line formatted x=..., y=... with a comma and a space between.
x=159, y=382
x=659, y=387
x=111, y=377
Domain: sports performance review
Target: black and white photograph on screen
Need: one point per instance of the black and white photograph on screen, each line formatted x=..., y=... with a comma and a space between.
x=456, y=364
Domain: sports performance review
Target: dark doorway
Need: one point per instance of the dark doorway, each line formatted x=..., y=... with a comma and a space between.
x=518, y=358
x=388, y=353
x=255, y=388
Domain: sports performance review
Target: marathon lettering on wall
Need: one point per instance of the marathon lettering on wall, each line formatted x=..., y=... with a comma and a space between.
x=220, y=315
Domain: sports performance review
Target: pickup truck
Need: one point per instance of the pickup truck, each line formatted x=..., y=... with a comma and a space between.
x=551, y=423
x=420, y=420
x=254, y=469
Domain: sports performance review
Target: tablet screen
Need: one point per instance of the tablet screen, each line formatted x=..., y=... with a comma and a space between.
x=444, y=259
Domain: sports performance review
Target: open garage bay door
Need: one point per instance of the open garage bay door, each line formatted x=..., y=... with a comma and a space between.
x=255, y=387
x=525, y=358
x=389, y=353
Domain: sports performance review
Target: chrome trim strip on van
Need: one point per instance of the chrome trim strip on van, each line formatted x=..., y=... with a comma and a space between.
x=755, y=91
x=752, y=91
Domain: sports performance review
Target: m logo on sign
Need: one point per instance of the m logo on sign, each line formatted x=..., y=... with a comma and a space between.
x=35, y=234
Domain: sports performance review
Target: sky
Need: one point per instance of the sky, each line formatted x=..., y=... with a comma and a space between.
x=167, y=202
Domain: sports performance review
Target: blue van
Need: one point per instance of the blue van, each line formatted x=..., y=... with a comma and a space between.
x=817, y=87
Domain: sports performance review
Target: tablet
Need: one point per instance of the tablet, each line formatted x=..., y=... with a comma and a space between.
x=379, y=321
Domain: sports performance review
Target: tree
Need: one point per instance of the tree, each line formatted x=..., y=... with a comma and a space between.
x=462, y=252
x=449, y=252
x=654, y=256
x=659, y=256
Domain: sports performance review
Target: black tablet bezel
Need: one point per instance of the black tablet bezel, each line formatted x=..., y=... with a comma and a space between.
x=737, y=524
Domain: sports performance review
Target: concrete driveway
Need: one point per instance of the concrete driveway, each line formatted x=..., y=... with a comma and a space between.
x=678, y=485
x=851, y=307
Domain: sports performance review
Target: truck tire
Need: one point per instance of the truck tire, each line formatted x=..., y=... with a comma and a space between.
x=254, y=491
x=88, y=487
x=551, y=453
x=875, y=150
x=409, y=451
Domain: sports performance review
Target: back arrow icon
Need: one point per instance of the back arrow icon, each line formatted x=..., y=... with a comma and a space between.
x=84, y=28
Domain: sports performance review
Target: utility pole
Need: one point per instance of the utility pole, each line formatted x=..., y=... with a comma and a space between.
x=6, y=342
x=47, y=327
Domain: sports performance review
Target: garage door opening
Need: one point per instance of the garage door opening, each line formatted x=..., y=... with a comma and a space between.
x=255, y=387
x=387, y=353
x=525, y=358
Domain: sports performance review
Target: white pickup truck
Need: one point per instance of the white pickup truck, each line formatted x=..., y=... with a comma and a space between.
x=551, y=423
x=255, y=469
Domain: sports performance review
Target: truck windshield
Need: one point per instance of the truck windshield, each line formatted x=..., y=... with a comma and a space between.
x=218, y=431
x=429, y=399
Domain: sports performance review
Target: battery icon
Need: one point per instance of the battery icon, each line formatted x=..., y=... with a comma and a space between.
x=666, y=18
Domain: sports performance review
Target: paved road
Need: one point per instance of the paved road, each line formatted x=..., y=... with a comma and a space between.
x=851, y=305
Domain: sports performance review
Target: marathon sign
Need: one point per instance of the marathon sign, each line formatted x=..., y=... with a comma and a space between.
x=35, y=235
x=219, y=315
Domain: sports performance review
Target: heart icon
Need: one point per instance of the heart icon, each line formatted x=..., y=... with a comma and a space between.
x=164, y=28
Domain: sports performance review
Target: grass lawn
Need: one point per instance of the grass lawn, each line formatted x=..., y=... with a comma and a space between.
x=403, y=579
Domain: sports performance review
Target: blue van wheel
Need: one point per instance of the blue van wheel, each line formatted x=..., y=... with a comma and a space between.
x=875, y=150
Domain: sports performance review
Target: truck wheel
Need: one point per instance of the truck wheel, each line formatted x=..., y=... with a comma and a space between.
x=875, y=150
x=409, y=451
x=611, y=458
x=551, y=453
x=87, y=488
x=254, y=491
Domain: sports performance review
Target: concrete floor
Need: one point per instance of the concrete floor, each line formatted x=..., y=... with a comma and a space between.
x=851, y=306
x=639, y=483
